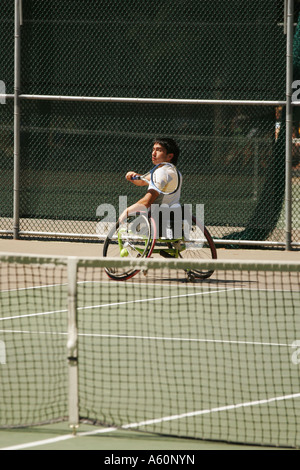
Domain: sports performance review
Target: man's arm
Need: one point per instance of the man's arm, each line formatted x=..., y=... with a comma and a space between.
x=129, y=176
x=143, y=204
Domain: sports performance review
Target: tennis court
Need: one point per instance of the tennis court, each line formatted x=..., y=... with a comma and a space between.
x=163, y=363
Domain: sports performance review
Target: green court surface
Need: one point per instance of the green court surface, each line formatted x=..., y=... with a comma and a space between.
x=58, y=437
x=211, y=360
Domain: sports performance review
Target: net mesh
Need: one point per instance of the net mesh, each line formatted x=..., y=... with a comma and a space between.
x=216, y=359
x=32, y=332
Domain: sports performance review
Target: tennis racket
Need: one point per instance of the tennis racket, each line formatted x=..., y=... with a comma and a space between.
x=164, y=177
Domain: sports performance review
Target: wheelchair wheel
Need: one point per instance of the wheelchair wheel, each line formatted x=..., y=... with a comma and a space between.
x=133, y=238
x=197, y=244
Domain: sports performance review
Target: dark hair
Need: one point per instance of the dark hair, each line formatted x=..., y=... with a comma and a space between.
x=170, y=145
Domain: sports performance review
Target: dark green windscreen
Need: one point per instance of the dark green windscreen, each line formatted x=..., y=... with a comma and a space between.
x=74, y=155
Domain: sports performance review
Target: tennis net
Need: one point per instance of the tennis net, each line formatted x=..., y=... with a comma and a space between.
x=217, y=359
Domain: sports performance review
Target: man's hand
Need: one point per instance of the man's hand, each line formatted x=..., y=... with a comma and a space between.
x=129, y=175
x=123, y=216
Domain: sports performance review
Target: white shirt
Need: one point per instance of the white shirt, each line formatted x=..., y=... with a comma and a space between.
x=161, y=179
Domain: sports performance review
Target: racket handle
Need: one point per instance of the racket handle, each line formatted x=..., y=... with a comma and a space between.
x=135, y=178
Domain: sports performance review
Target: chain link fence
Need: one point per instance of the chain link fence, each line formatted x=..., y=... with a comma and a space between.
x=101, y=79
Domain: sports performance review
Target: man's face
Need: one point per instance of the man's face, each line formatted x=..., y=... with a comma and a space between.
x=160, y=155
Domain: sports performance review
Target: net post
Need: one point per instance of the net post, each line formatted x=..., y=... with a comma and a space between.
x=72, y=345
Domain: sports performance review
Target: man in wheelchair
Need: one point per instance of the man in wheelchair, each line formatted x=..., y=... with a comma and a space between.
x=164, y=207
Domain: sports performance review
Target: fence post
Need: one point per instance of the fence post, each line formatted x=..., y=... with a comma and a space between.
x=289, y=6
x=17, y=85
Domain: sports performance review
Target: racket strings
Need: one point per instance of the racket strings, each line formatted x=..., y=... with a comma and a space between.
x=166, y=179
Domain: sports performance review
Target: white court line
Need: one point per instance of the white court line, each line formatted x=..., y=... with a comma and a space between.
x=114, y=304
x=45, y=286
x=109, y=282
x=192, y=340
x=152, y=338
x=135, y=337
x=149, y=422
x=33, y=314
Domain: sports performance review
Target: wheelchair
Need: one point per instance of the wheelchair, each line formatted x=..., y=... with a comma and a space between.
x=145, y=235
